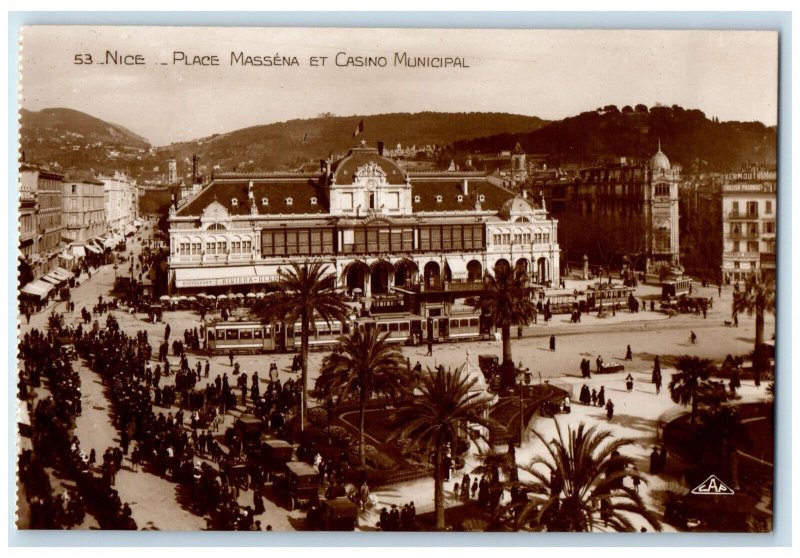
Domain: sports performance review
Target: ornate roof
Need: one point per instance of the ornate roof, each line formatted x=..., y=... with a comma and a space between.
x=366, y=159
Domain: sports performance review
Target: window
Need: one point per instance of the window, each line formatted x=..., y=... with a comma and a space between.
x=768, y=207
x=211, y=248
x=289, y=201
x=264, y=201
x=313, y=201
x=234, y=202
x=408, y=240
x=752, y=246
x=438, y=199
x=302, y=242
x=416, y=199
x=460, y=198
x=481, y=198
x=736, y=246
x=769, y=227
x=74, y=188
x=752, y=209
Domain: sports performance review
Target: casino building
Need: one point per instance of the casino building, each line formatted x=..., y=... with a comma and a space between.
x=384, y=231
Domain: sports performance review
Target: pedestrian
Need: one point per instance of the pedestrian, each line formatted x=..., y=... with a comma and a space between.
x=692, y=337
x=662, y=459
x=430, y=346
x=654, y=461
x=629, y=383
x=167, y=330
x=552, y=342
x=601, y=397
x=594, y=397
x=610, y=409
x=628, y=353
x=656, y=369
x=736, y=319
x=474, y=489
x=719, y=289
x=519, y=332
x=658, y=384
x=230, y=357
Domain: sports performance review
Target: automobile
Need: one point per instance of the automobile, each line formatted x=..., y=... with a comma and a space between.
x=297, y=484
x=338, y=514
x=248, y=430
x=489, y=364
x=276, y=454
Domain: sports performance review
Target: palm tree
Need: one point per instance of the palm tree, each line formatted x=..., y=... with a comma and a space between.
x=442, y=404
x=757, y=297
x=687, y=385
x=364, y=365
x=721, y=435
x=305, y=291
x=578, y=484
x=506, y=301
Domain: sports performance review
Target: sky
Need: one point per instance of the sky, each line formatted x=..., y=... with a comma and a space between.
x=552, y=74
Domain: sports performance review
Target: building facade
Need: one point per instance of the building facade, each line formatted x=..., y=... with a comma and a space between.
x=121, y=202
x=381, y=230
x=43, y=247
x=749, y=224
x=618, y=210
x=84, y=208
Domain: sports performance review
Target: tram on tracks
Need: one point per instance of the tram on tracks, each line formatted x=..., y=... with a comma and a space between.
x=256, y=337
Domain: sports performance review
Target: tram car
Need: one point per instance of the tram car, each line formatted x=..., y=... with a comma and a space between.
x=402, y=328
x=566, y=302
x=676, y=288
x=324, y=335
x=245, y=336
x=608, y=297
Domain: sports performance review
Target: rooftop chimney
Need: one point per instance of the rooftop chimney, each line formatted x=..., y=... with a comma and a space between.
x=465, y=187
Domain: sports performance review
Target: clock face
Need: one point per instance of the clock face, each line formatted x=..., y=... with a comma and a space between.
x=372, y=184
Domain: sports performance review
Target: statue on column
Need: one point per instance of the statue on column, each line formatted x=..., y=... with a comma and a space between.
x=585, y=267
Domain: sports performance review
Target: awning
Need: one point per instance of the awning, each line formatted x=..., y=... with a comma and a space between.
x=458, y=269
x=130, y=229
x=268, y=273
x=79, y=251
x=54, y=279
x=61, y=272
x=66, y=256
x=38, y=288
x=93, y=248
x=109, y=242
x=217, y=276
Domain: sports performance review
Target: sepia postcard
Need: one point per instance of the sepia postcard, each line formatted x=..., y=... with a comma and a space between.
x=409, y=280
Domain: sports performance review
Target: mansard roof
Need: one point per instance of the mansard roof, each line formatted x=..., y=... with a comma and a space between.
x=344, y=169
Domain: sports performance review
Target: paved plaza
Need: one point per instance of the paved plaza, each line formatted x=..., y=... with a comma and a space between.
x=156, y=502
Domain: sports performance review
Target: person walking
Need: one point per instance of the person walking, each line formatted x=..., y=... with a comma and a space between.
x=656, y=369
x=629, y=383
x=628, y=353
x=430, y=346
x=601, y=397
x=230, y=357
x=610, y=409
x=552, y=342
x=658, y=383
x=692, y=337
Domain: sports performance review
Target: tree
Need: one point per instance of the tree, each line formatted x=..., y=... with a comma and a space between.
x=578, y=484
x=506, y=301
x=720, y=435
x=757, y=297
x=364, y=366
x=304, y=293
x=688, y=384
x=442, y=405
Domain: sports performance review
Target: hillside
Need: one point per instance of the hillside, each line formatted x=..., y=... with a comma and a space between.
x=287, y=145
x=687, y=136
x=74, y=139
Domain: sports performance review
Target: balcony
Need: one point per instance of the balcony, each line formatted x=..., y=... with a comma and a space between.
x=743, y=235
x=740, y=255
x=741, y=216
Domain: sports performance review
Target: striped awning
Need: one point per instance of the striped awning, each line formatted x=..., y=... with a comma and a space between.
x=93, y=248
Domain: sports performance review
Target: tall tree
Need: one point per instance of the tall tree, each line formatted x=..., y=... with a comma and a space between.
x=721, y=435
x=305, y=292
x=756, y=297
x=688, y=384
x=578, y=484
x=506, y=300
x=442, y=404
x=365, y=365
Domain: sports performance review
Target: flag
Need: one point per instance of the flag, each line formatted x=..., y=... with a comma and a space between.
x=305, y=138
x=359, y=128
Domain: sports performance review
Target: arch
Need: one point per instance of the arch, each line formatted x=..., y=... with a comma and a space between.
x=522, y=219
x=522, y=267
x=542, y=270
x=432, y=273
x=216, y=227
x=356, y=275
x=405, y=272
x=474, y=270
x=381, y=273
x=502, y=263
